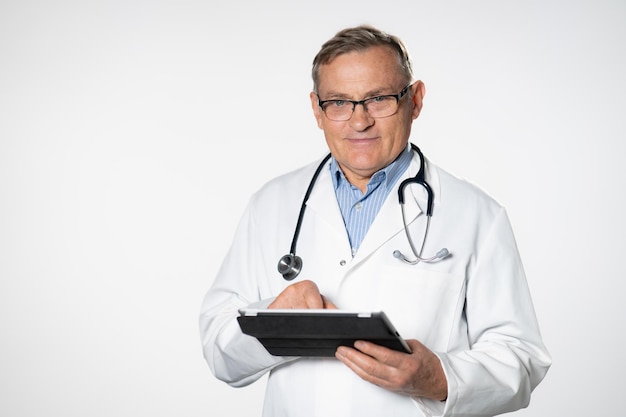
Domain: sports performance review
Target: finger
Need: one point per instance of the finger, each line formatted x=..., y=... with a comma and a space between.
x=328, y=304
x=366, y=367
x=303, y=294
x=382, y=354
x=311, y=296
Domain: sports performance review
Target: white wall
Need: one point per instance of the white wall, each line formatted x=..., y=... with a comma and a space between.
x=132, y=133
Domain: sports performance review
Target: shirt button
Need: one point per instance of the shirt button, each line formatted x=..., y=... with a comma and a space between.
x=358, y=206
x=342, y=262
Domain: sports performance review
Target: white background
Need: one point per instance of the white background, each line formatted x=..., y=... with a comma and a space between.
x=133, y=132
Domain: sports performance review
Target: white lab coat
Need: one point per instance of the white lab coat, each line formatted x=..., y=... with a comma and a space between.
x=473, y=309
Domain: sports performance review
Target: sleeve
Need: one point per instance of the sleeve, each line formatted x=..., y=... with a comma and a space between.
x=234, y=357
x=506, y=358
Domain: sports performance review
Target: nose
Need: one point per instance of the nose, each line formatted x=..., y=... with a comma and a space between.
x=361, y=119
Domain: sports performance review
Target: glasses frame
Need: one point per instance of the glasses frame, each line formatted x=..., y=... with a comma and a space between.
x=363, y=102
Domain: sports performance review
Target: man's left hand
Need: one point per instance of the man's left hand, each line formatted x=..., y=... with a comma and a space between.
x=418, y=374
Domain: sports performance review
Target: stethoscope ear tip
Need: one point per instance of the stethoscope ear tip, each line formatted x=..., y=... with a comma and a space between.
x=399, y=255
x=443, y=253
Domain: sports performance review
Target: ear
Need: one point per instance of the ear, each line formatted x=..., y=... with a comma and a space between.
x=419, y=91
x=317, y=112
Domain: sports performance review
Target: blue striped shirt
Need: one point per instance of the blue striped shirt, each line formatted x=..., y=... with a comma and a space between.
x=360, y=209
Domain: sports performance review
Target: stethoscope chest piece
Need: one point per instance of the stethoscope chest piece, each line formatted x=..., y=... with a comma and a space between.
x=290, y=266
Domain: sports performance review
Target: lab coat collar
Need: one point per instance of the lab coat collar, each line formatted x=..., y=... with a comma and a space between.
x=323, y=202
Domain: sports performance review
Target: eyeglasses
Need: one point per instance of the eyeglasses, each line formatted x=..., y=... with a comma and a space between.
x=377, y=107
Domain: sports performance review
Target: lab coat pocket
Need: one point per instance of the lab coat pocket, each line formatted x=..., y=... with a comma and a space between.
x=424, y=304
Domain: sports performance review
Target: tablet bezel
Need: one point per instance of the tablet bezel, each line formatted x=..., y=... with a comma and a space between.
x=313, y=332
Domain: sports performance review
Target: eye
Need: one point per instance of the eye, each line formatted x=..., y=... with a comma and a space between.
x=379, y=99
x=337, y=103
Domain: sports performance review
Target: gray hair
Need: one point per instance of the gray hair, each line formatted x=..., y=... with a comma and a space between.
x=357, y=39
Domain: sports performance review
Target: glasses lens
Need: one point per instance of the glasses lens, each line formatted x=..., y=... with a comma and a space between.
x=338, y=110
x=381, y=106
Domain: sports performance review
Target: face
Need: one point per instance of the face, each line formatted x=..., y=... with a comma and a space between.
x=364, y=145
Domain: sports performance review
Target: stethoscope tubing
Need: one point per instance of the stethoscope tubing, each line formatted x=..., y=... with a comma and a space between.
x=296, y=233
x=290, y=265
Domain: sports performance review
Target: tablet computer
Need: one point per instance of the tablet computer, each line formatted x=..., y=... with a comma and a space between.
x=317, y=332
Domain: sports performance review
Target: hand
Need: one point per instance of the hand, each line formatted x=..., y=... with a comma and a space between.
x=418, y=374
x=303, y=294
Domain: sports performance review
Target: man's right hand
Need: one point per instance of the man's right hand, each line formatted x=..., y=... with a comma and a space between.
x=303, y=295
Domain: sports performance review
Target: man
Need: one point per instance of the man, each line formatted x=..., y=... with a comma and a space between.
x=468, y=315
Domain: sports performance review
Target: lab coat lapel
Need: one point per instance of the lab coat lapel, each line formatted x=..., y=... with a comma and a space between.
x=323, y=204
x=388, y=223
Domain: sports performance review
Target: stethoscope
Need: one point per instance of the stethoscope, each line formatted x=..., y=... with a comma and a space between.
x=290, y=265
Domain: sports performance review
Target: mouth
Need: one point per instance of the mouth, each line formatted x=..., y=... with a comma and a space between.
x=364, y=141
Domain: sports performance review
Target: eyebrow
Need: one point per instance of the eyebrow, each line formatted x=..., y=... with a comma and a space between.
x=372, y=93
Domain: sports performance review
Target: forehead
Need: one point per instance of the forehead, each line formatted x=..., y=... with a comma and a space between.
x=376, y=68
